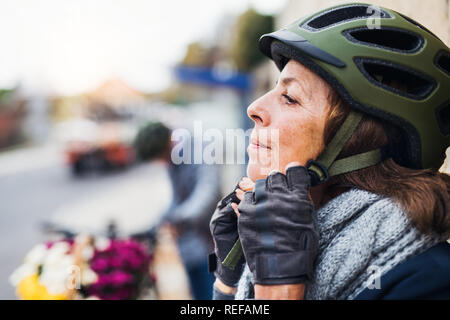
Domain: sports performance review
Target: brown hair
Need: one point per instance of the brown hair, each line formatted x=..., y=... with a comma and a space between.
x=424, y=194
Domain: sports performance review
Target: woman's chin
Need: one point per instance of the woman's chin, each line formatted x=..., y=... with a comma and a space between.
x=256, y=172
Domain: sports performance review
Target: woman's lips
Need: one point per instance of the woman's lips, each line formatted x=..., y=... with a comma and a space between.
x=257, y=145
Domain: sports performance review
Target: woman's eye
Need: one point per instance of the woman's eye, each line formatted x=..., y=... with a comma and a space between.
x=289, y=99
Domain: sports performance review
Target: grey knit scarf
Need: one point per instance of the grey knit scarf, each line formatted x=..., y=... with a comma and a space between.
x=360, y=232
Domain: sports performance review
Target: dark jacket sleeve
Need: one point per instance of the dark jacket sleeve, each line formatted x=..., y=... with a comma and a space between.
x=425, y=276
x=219, y=295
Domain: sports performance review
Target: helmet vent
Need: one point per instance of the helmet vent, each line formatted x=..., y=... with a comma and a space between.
x=443, y=61
x=340, y=15
x=443, y=118
x=396, y=78
x=386, y=38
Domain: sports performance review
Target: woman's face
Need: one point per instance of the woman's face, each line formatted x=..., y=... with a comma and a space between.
x=289, y=122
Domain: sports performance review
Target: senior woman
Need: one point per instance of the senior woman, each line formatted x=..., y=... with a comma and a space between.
x=345, y=200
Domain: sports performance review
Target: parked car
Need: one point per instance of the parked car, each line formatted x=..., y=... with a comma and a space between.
x=98, y=147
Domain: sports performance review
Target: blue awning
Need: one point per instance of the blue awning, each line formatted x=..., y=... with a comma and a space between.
x=213, y=77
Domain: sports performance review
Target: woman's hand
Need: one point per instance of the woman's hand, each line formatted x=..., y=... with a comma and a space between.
x=223, y=227
x=276, y=228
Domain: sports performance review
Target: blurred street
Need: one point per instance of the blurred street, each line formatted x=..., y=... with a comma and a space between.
x=30, y=195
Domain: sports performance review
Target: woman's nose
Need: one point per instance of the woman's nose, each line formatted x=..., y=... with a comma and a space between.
x=258, y=112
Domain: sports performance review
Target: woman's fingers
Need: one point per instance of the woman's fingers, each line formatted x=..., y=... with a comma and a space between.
x=239, y=194
x=235, y=208
x=246, y=184
x=297, y=176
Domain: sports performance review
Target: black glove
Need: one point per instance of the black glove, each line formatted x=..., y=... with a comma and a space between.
x=276, y=228
x=224, y=231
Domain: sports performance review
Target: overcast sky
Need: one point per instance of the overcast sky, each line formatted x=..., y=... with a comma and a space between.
x=68, y=46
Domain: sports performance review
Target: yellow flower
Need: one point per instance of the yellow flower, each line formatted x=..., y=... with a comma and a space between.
x=30, y=288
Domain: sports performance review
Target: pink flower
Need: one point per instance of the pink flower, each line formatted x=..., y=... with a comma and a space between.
x=119, y=278
x=119, y=268
x=99, y=265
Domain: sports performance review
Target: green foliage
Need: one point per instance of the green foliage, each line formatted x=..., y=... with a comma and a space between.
x=4, y=93
x=243, y=48
x=195, y=55
x=249, y=27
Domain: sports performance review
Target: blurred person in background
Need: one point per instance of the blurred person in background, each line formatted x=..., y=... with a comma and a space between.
x=196, y=191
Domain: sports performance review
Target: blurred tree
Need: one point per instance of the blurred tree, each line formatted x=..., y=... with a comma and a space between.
x=247, y=30
x=4, y=95
x=13, y=108
x=236, y=43
x=196, y=55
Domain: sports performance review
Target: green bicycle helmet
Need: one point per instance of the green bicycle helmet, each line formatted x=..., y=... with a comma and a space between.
x=343, y=47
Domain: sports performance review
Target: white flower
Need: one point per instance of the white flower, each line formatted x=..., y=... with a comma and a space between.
x=88, y=276
x=87, y=253
x=56, y=254
x=56, y=268
x=54, y=279
x=82, y=238
x=58, y=278
x=21, y=272
x=36, y=255
x=102, y=243
x=61, y=247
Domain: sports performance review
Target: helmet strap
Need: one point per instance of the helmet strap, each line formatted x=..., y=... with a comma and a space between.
x=326, y=166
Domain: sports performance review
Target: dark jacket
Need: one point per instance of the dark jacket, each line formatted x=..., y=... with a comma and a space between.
x=425, y=276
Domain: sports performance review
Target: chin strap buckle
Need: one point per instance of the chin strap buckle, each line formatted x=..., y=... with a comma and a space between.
x=318, y=173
